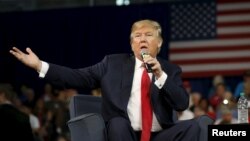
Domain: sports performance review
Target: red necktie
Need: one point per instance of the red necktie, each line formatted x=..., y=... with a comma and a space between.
x=146, y=107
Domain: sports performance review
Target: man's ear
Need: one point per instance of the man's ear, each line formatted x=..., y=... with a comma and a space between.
x=158, y=49
x=132, y=47
x=159, y=46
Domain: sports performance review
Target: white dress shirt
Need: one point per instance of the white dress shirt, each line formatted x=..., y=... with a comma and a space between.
x=134, y=103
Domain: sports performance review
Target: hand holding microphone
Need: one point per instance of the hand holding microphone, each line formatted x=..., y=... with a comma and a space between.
x=152, y=64
x=145, y=54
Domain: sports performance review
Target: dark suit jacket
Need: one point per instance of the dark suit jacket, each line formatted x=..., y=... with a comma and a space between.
x=14, y=124
x=114, y=74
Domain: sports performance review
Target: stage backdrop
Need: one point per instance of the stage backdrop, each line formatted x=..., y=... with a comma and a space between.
x=80, y=37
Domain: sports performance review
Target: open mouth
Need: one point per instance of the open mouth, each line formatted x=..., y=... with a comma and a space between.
x=144, y=47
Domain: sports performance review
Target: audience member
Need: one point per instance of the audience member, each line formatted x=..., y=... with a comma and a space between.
x=217, y=79
x=227, y=117
x=240, y=86
x=14, y=124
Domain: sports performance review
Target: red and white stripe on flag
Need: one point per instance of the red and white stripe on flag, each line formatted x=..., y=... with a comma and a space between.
x=226, y=53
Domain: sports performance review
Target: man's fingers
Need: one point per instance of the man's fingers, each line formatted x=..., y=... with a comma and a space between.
x=151, y=61
x=154, y=63
x=12, y=52
x=156, y=66
x=148, y=59
x=17, y=53
x=29, y=50
x=17, y=50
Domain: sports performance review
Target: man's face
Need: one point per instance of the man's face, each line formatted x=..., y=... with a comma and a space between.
x=145, y=37
x=227, y=117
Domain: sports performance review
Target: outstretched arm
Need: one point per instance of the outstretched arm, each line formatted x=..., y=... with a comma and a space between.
x=30, y=59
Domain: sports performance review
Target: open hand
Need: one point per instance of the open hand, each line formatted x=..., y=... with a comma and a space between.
x=30, y=59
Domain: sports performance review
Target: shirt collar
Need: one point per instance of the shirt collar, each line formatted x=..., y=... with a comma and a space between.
x=138, y=63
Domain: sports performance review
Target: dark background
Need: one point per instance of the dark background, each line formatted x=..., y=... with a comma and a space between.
x=77, y=37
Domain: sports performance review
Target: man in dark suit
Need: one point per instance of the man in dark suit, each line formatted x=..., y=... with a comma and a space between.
x=14, y=124
x=119, y=77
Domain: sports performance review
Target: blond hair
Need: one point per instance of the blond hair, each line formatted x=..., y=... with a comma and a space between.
x=142, y=23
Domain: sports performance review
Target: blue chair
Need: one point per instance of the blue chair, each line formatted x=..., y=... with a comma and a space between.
x=86, y=122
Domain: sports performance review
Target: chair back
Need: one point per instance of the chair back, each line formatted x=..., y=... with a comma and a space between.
x=86, y=121
x=84, y=104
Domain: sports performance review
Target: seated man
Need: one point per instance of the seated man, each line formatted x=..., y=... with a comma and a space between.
x=139, y=91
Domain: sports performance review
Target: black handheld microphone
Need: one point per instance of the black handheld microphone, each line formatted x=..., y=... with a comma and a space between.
x=144, y=54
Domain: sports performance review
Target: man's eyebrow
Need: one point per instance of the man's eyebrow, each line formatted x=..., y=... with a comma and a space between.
x=143, y=33
x=137, y=33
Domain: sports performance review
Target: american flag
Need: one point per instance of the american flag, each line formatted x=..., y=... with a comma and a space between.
x=209, y=38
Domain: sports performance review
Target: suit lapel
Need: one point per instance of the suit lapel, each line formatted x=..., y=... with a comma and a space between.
x=127, y=80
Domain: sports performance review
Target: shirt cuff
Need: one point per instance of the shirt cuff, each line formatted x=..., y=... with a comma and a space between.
x=161, y=80
x=44, y=69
